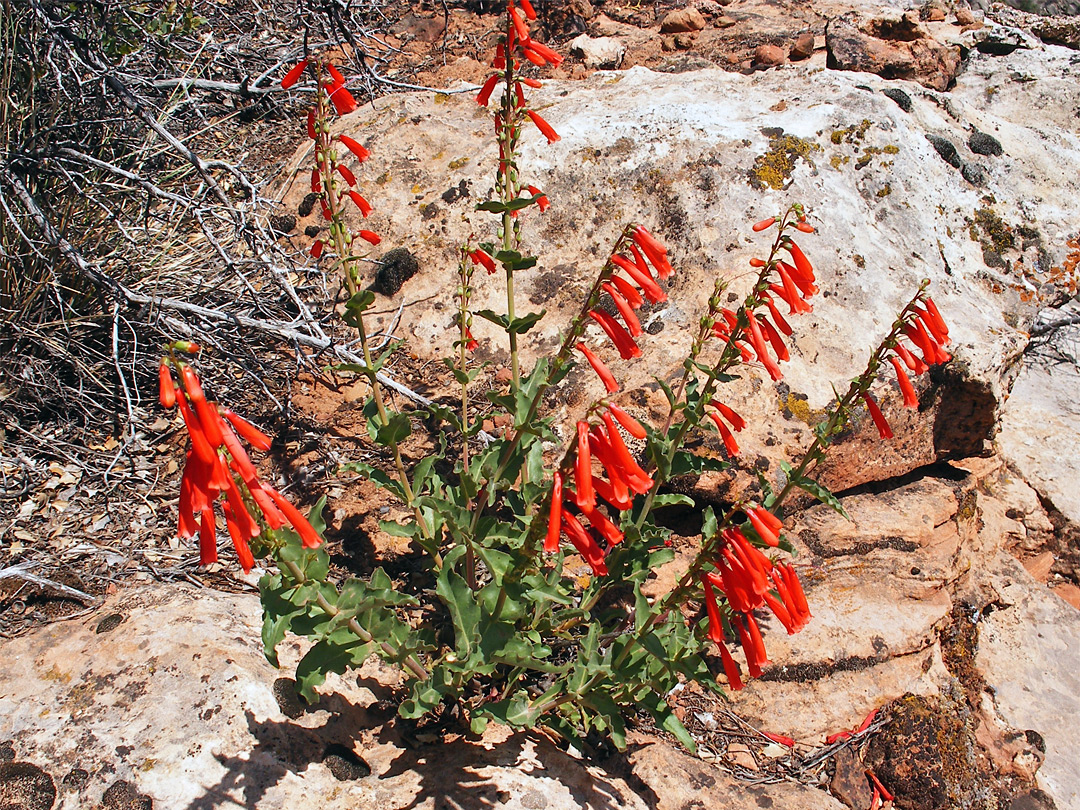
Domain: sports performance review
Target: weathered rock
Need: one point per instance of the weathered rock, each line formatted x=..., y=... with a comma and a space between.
x=1029, y=649
x=964, y=16
x=396, y=266
x=894, y=46
x=682, y=21
x=598, y=52
x=933, y=11
x=1039, y=433
x=179, y=711
x=902, y=99
x=945, y=148
x=771, y=55
x=803, y=47
x=423, y=29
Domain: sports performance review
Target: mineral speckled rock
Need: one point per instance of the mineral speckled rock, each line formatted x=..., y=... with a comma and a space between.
x=983, y=144
x=395, y=268
x=24, y=786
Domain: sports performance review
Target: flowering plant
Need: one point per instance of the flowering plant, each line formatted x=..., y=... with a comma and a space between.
x=501, y=626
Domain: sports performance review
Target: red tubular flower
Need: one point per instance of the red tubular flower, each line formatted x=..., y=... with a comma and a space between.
x=316, y=181
x=791, y=579
x=356, y=148
x=602, y=371
x=614, y=492
x=519, y=24
x=309, y=538
x=608, y=530
x=652, y=248
x=756, y=648
x=884, y=431
x=166, y=389
x=623, y=342
x=239, y=541
x=781, y=613
x=753, y=565
x=317, y=248
x=342, y=99
x=551, y=539
x=311, y=124
x=519, y=94
x=240, y=461
x=369, y=236
x=526, y=6
x=471, y=344
x=499, y=61
x=629, y=423
x=716, y=626
x=805, y=227
x=765, y=223
x=911, y=400
x=764, y=529
x=756, y=262
x=779, y=739
x=294, y=74
x=731, y=669
x=541, y=50
x=207, y=537
x=806, y=288
x=775, y=340
x=484, y=95
x=932, y=309
x=542, y=200
x=583, y=469
x=931, y=327
x=730, y=444
x=758, y=342
x=325, y=209
x=208, y=416
x=734, y=582
x=802, y=264
x=271, y=514
x=885, y=794
x=361, y=203
x=344, y=171
x=910, y=360
x=199, y=445
x=627, y=311
x=480, y=256
x=187, y=526
x=240, y=515
x=642, y=278
x=335, y=74
x=778, y=319
x=585, y=544
x=619, y=478
x=543, y=126
x=628, y=291
x=636, y=477
x=534, y=57
x=536, y=84
x=736, y=421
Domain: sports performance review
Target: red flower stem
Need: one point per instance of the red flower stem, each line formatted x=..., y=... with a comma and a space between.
x=351, y=277
x=465, y=270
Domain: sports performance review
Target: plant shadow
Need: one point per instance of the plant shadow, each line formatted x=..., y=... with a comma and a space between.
x=368, y=746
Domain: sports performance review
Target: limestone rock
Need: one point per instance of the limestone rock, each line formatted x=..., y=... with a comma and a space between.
x=598, y=52
x=894, y=46
x=682, y=21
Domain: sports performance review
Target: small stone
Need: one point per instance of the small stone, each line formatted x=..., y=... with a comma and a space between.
x=504, y=375
x=945, y=149
x=724, y=22
x=307, y=204
x=964, y=16
x=110, y=622
x=395, y=268
x=803, y=47
x=598, y=52
x=902, y=99
x=312, y=231
x=932, y=11
x=973, y=173
x=684, y=42
x=288, y=699
x=771, y=55
x=422, y=29
x=75, y=779
x=681, y=21
x=982, y=144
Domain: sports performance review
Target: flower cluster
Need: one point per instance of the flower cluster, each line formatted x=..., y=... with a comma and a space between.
x=625, y=478
x=642, y=245
x=218, y=465
x=750, y=580
x=327, y=169
x=929, y=335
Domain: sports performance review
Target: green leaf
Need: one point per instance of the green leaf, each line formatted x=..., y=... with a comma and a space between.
x=337, y=654
x=514, y=260
x=672, y=499
x=520, y=326
x=814, y=488
x=673, y=725
x=494, y=317
x=686, y=463
x=708, y=522
x=360, y=301
x=396, y=430
x=459, y=600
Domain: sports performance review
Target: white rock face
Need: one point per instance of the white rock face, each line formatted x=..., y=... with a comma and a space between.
x=598, y=52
